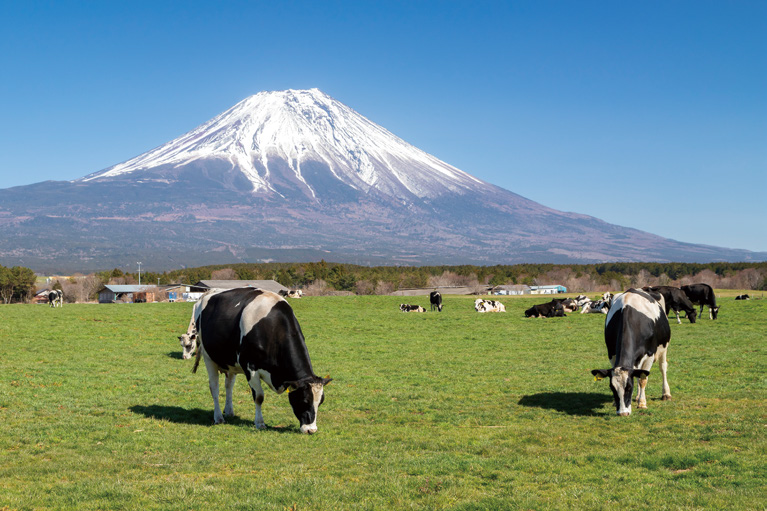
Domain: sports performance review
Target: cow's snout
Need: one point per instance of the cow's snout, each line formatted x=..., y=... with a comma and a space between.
x=624, y=414
x=308, y=430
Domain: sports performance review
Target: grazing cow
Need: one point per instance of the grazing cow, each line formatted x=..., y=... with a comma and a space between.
x=406, y=307
x=637, y=333
x=254, y=332
x=675, y=300
x=742, y=297
x=702, y=294
x=481, y=305
x=553, y=309
x=435, y=298
x=56, y=298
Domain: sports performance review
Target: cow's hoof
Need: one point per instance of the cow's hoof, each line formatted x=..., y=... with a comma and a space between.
x=229, y=413
x=642, y=404
x=666, y=398
x=260, y=425
x=219, y=421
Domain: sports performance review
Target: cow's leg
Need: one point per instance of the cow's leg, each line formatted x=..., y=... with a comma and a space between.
x=258, y=398
x=218, y=418
x=662, y=358
x=641, y=399
x=646, y=364
x=229, y=384
x=678, y=321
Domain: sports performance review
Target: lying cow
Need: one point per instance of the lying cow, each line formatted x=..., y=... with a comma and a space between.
x=675, y=300
x=254, y=332
x=637, y=333
x=406, y=307
x=597, y=307
x=56, y=298
x=702, y=294
x=553, y=309
x=435, y=299
x=742, y=297
x=481, y=305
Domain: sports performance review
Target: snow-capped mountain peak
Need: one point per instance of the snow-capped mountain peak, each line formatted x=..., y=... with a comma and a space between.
x=274, y=137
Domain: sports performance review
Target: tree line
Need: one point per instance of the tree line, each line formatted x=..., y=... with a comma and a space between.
x=17, y=284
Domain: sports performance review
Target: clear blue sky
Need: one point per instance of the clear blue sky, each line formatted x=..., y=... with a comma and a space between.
x=649, y=114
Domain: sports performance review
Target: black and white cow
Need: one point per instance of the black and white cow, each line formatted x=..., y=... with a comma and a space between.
x=406, y=307
x=481, y=305
x=56, y=298
x=742, y=297
x=435, y=298
x=702, y=294
x=675, y=300
x=637, y=333
x=254, y=332
x=553, y=309
x=597, y=307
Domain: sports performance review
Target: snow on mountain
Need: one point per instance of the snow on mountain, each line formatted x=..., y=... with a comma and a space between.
x=297, y=128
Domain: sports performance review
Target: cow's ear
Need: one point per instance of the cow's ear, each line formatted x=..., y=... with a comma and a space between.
x=638, y=373
x=290, y=386
x=327, y=379
x=601, y=373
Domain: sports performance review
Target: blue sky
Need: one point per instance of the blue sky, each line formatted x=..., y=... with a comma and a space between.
x=650, y=115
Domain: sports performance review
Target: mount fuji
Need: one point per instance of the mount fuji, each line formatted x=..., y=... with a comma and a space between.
x=296, y=175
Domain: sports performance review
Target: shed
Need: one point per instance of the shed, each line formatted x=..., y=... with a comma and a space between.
x=515, y=289
x=111, y=293
x=548, y=290
x=269, y=285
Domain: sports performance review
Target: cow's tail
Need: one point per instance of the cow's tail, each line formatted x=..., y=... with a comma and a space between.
x=197, y=359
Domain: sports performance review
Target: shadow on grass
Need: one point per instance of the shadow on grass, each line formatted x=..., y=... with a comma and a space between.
x=572, y=403
x=176, y=354
x=198, y=416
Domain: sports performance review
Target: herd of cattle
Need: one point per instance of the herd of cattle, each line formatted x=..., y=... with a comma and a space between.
x=254, y=332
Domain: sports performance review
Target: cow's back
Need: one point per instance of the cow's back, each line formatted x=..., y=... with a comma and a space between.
x=219, y=324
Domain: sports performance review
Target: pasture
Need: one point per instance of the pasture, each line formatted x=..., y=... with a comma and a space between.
x=451, y=410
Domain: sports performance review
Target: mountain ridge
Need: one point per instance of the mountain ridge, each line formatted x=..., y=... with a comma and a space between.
x=294, y=174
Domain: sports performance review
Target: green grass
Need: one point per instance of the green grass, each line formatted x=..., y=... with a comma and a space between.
x=456, y=410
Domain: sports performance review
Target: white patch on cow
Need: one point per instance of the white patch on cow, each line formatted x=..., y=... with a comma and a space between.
x=317, y=390
x=257, y=310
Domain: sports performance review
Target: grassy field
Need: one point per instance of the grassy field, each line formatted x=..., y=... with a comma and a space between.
x=456, y=410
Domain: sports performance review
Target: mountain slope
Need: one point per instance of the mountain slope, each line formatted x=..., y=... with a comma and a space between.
x=296, y=175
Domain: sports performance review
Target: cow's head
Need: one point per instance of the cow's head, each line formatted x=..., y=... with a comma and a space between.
x=714, y=311
x=188, y=344
x=622, y=385
x=693, y=315
x=305, y=397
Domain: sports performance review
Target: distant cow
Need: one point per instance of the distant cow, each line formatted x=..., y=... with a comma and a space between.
x=435, y=298
x=637, y=333
x=742, y=297
x=406, y=307
x=675, y=300
x=553, y=309
x=582, y=300
x=254, y=332
x=702, y=294
x=56, y=298
x=597, y=307
x=481, y=305
x=291, y=293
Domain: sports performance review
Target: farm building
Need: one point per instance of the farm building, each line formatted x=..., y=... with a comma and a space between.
x=111, y=293
x=445, y=290
x=516, y=289
x=547, y=290
x=205, y=285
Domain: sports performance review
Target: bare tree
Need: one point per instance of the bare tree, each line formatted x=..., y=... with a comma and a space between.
x=384, y=288
x=224, y=274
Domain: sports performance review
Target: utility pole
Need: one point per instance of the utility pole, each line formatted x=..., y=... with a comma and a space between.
x=139, y=272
